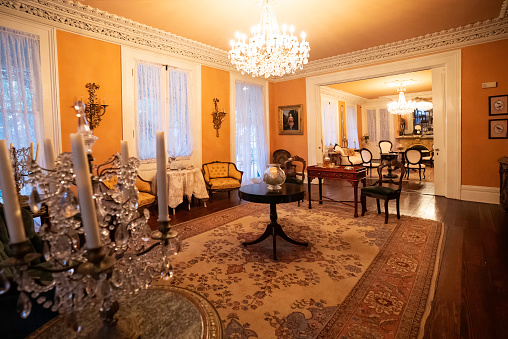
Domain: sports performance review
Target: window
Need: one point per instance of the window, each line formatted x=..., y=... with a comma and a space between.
x=384, y=124
x=163, y=104
x=251, y=147
x=352, y=127
x=330, y=114
x=372, y=125
x=21, y=108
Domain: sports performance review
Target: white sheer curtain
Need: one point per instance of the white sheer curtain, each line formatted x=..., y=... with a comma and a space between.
x=180, y=135
x=149, y=99
x=372, y=125
x=352, y=127
x=21, y=115
x=384, y=124
x=330, y=116
x=251, y=150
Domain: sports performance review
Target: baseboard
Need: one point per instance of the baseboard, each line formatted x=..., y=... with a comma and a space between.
x=488, y=195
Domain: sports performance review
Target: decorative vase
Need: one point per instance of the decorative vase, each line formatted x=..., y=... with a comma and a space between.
x=274, y=176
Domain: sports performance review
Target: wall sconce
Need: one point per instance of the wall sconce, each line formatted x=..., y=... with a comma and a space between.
x=218, y=117
x=94, y=111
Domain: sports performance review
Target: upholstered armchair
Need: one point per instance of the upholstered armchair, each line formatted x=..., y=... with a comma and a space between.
x=146, y=196
x=385, y=146
x=221, y=176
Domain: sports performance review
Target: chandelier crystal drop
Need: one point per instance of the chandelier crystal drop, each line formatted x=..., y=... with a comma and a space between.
x=401, y=107
x=269, y=52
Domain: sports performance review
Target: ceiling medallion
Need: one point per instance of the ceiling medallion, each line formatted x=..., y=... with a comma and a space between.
x=269, y=52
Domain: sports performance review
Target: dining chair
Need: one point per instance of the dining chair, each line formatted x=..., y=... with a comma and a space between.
x=378, y=191
x=385, y=146
x=414, y=162
x=366, y=155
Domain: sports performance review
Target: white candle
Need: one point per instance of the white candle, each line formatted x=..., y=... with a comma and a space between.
x=10, y=197
x=32, y=150
x=124, y=148
x=273, y=172
x=86, y=202
x=161, y=177
x=49, y=154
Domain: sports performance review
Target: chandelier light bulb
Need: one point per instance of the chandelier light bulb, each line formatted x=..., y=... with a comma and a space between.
x=268, y=52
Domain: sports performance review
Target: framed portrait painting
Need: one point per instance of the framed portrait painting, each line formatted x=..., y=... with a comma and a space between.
x=498, y=105
x=498, y=129
x=291, y=119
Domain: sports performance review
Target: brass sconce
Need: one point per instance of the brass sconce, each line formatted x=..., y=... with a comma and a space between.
x=218, y=117
x=93, y=110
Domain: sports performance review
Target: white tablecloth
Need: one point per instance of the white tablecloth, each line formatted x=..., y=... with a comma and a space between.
x=187, y=182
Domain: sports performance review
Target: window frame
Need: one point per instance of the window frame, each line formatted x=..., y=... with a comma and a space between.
x=49, y=76
x=130, y=56
x=234, y=77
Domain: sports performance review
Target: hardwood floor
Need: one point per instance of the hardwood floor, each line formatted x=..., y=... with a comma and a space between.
x=471, y=298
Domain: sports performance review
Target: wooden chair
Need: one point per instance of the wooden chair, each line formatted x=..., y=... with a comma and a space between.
x=280, y=157
x=367, y=160
x=414, y=161
x=385, y=146
x=378, y=191
x=292, y=175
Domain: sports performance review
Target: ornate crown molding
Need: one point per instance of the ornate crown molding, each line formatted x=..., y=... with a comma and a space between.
x=74, y=17
x=342, y=96
x=85, y=20
x=455, y=38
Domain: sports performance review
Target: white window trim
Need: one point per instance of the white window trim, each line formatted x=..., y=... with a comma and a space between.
x=49, y=75
x=234, y=77
x=129, y=114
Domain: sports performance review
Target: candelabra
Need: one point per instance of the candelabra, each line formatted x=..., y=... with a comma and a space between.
x=94, y=111
x=96, y=278
x=218, y=117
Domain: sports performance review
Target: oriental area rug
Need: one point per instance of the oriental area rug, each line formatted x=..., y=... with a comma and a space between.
x=358, y=278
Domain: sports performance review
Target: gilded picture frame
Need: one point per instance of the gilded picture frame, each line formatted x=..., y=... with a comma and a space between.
x=291, y=120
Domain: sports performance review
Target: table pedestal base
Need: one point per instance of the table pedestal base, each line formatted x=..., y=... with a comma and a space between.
x=273, y=229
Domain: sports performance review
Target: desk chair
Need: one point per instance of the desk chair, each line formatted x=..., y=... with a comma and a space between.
x=378, y=191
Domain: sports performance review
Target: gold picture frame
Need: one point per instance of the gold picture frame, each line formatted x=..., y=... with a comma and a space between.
x=291, y=120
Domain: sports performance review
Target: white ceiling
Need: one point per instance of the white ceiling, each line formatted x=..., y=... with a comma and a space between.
x=333, y=27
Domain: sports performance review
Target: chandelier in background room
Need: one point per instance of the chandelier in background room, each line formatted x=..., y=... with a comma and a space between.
x=401, y=107
x=269, y=52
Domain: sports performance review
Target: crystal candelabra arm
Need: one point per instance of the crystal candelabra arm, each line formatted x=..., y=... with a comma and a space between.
x=21, y=255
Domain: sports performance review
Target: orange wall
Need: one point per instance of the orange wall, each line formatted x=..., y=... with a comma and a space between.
x=482, y=63
x=82, y=60
x=215, y=84
x=286, y=93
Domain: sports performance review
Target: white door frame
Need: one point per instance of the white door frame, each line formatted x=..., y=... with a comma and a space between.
x=450, y=151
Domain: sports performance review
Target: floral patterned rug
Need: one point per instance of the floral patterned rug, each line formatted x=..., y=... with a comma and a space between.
x=358, y=278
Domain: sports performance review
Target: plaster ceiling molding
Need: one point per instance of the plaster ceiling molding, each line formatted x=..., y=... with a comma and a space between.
x=74, y=17
x=455, y=38
x=385, y=99
x=503, y=13
x=342, y=96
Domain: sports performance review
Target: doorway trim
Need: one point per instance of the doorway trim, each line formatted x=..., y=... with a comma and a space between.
x=451, y=149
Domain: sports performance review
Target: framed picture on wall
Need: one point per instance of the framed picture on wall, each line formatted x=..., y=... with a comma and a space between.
x=291, y=119
x=498, y=129
x=498, y=105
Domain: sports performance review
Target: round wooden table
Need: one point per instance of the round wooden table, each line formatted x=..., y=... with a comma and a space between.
x=261, y=194
x=388, y=158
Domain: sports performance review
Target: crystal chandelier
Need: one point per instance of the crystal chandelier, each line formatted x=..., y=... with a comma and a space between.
x=269, y=52
x=401, y=107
